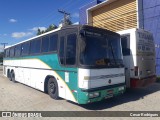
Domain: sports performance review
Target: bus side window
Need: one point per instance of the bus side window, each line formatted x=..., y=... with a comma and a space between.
x=12, y=52
x=25, y=48
x=45, y=44
x=7, y=52
x=71, y=49
x=61, y=50
x=53, y=42
x=35, y=46
x=18, y=50
x=125, y=46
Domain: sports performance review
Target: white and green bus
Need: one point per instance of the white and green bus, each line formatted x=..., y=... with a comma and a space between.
x=82, y=64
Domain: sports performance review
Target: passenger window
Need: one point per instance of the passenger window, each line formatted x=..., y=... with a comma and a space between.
x=12, y=52
x=61, y=50
x=4, y=53
x=45, y=44
x=53, y=42
x=71, y=49
x=18, y=50
x=25, y=48
x=7, y=53
x=35, y=46
x=125, y=45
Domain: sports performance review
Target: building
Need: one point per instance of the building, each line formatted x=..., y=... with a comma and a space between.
x=117, y=15
x=151, y=22
x=83, y=11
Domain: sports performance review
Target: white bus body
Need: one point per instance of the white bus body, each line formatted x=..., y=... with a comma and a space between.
x=139, y=57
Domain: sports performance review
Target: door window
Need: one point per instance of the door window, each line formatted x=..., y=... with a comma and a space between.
x=125, y=45
x=71, y=49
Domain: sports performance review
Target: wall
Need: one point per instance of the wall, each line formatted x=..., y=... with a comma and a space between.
x=82, y=11
x=116, y=16
x=151, y=10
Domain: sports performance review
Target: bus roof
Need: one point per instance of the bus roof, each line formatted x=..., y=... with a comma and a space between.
x=34, y=37
x=55, y=30
x=62, y=28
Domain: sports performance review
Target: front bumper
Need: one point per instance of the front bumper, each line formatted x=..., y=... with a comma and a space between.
x=84, y=98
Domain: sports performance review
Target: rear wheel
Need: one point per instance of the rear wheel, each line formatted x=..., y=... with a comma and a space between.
x=9, y=75
x=53, y=88
x=13, y=77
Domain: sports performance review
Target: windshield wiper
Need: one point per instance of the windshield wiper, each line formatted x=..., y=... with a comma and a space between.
x=113, y=54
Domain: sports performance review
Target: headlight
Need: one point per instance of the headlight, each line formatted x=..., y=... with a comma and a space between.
x=93, y=95
x=121, y=88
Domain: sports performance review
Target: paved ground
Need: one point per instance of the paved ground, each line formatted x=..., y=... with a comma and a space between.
x=17, y=97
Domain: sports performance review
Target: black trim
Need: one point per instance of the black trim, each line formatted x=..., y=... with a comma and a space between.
x=103, y=88
x=99, y=30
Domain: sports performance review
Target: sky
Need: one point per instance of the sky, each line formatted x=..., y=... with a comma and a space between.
x=20, y=19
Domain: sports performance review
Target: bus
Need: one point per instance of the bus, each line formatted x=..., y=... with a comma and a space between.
x=79, y=63
x=139, y=57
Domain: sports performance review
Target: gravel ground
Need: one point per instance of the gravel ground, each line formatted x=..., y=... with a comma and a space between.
x=1, y=68
x=19, y=97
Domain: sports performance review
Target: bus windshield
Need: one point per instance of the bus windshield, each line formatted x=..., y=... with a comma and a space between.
x=100, y=50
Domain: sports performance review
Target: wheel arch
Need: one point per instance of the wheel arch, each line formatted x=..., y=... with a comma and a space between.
x=12, y=70
x=8, y=73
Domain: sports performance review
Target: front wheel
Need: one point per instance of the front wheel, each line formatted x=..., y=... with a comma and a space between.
x=53, y=88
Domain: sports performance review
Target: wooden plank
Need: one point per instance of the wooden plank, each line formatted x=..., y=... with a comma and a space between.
x=116, y=16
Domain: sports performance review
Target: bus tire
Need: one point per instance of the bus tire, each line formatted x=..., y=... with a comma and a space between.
x=9, y=75
x=53, y=88
x=13, y=76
